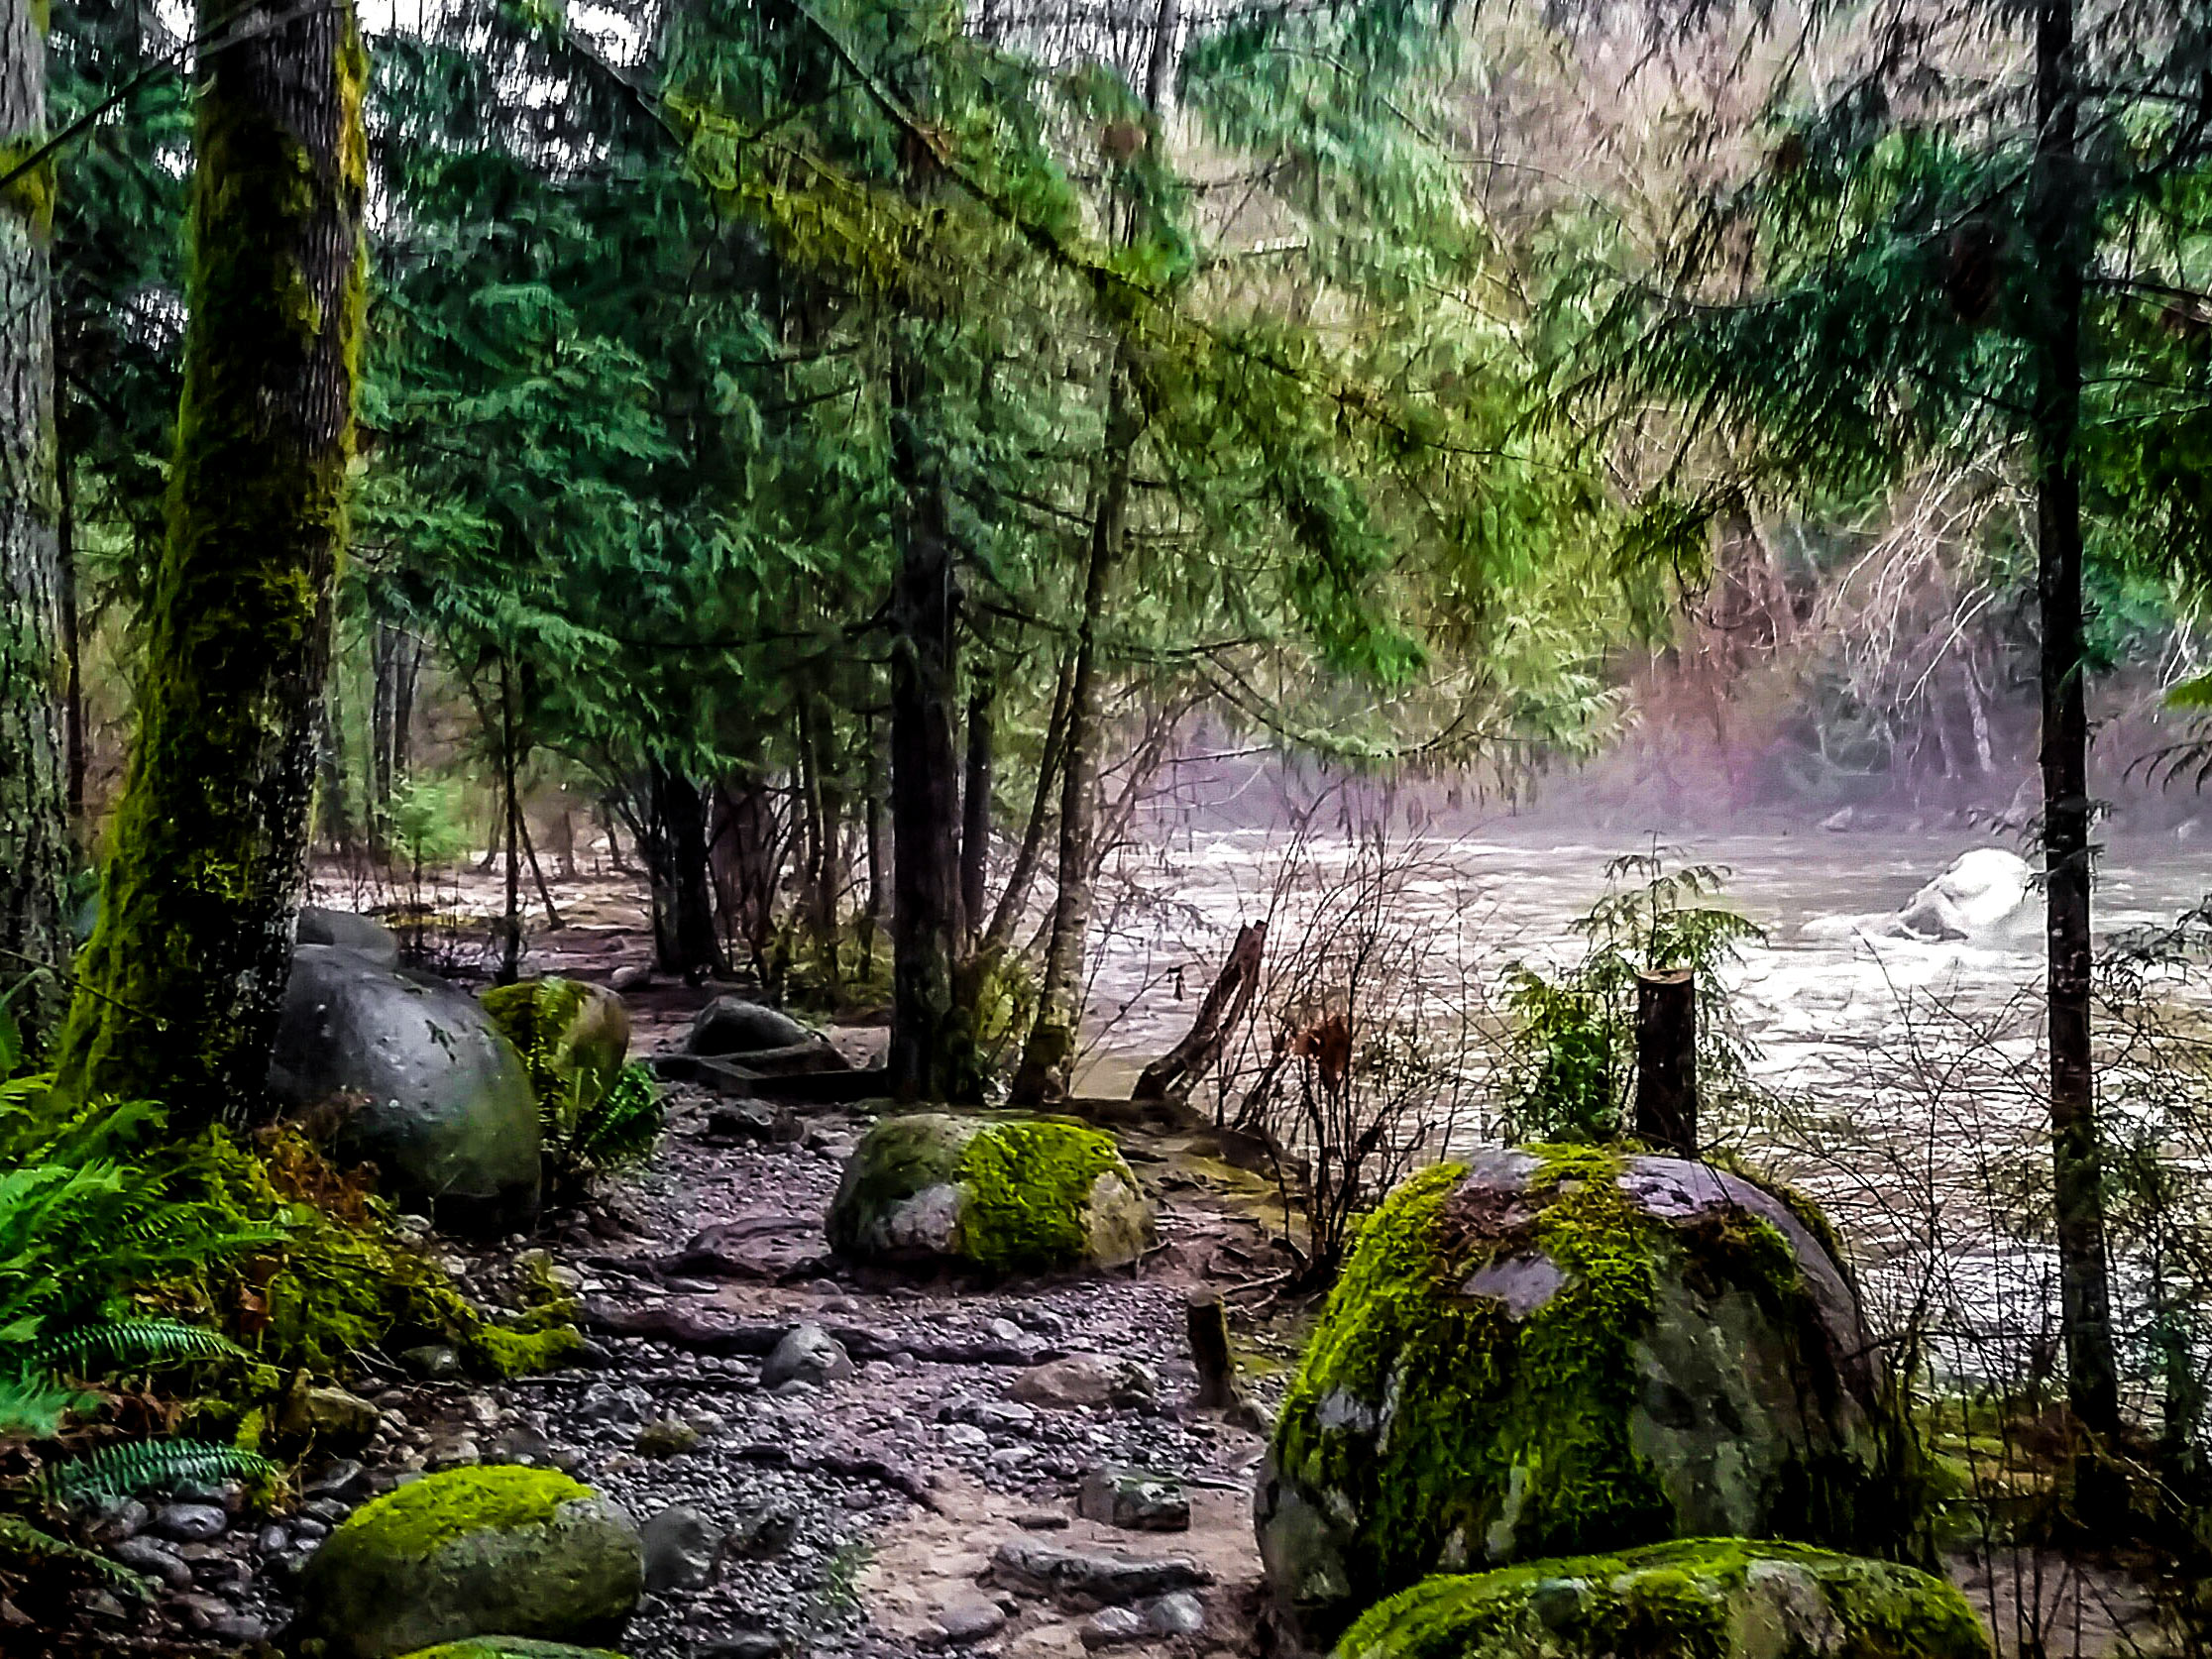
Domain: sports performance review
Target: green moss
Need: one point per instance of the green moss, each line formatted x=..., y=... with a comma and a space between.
x=1684, y=1600
x=1030, y=1187
x=413, y=1521
x=896, y=1159
x=202, y=875
x=1513, y=1438
x=30, y=195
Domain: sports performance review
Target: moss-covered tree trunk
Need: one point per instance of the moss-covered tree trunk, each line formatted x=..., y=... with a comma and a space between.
x=34, y=809
x=187, y=968
x=2060, y=235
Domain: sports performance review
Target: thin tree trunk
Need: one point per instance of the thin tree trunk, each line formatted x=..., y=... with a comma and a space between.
x=2059, y=238
x=879, y=891
x=975, y=809
x=1014, y=900
x=511, y=763
x=34, y=799
x=73, y=638
x=185, y=973
x=1049, y=1057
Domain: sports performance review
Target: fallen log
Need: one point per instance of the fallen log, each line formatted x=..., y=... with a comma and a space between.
x=1176, y=1073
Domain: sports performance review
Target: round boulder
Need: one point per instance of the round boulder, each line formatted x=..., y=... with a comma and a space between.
x=434, y=1096
x=1981, y=894
x=1564, y=1348
x=1718, y=1598
x=483, y=1552
x=574, y=1036
x=734, y=1026
x=1003, y=1194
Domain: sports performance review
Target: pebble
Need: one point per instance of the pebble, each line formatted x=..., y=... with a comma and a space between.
x=190, y=1522
x=1178, y=1614
x=972, y=1619
x=143, y=1555
x=273, y=1539
x=1004, y=1330
x=344, y=1479
x=1114, y=1627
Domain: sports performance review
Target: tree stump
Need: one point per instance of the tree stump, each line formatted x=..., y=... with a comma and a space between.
x=1667, y=1061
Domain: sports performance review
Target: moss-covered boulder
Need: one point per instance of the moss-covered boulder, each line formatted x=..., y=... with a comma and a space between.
x=474, y=1553
x=1003, y=1194
x=431, y=1092
x=574, y=1036
x=1558, y=1350
x=510, y=1648
x=1698, y=1599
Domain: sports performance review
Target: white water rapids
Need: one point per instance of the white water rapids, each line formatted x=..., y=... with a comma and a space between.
x=1909, y=1069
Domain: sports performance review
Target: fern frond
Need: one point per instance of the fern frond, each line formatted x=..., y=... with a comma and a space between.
x=133, y=1466
x=19, y=1538
x=131, y=1342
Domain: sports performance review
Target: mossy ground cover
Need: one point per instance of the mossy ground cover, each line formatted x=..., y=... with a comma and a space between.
x=1692, y=1598
x=414, y=1520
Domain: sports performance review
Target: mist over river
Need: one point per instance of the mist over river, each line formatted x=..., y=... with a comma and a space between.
x=1910, y=1070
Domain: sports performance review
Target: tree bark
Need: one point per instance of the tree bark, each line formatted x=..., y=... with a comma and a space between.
x=1014, y=899
x=511, y=765
x=1666, y=1112
x=685, y=941
x=185, y=973
x=929, y=1055
x=34, y=784
x=975, y=810
x=2059, y=239
x=73, y=638
x=1049, y=1057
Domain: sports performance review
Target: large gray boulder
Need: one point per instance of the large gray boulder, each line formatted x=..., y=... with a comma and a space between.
x=1560, y=1350
x=493, y=1550
x=431, y=1093
x=1718, y=1598
x=363, y=935
x=1007, y=1195
x=732, y=1026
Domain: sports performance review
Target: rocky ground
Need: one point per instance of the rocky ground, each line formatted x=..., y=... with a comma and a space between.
x=907, y=1476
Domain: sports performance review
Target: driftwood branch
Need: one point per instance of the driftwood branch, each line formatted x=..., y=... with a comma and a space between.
x=1175, y=1074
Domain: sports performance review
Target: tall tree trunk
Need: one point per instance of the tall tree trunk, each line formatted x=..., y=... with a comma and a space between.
x=2059, y=238
x=1049, y=1057
x=687, y=943
x=72, y=636
x=879, y=892
x=930, y=1051
x=187, y=969
x=975, y=810
x=33, y=800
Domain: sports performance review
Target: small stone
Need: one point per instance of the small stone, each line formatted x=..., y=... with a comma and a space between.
x=1114, y=1627
x=202, y=1611
x=1179, y=1615
x=1086, y=1379
x=190, y=1522
x=241, y=1627
x=755, y=1644
x=681, y=1545
x=1080, y=1578
x=970, y=1620
x=1134, y=1500
x=331, y=1509
x=143, y=1555
x=102, y=1605
x=120, y=1518
x=309, y=1530
x=666, y=1437
x=344, y=1479
x=433, y=1361
x=807, y=1353
x=1042, y=1520
x=330, y=1416
x=965, y=1437
x=1004, y=1330
x=765, y=1531
x=272, y=1540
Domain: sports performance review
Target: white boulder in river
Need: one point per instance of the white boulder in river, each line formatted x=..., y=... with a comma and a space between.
x=1983, y=893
